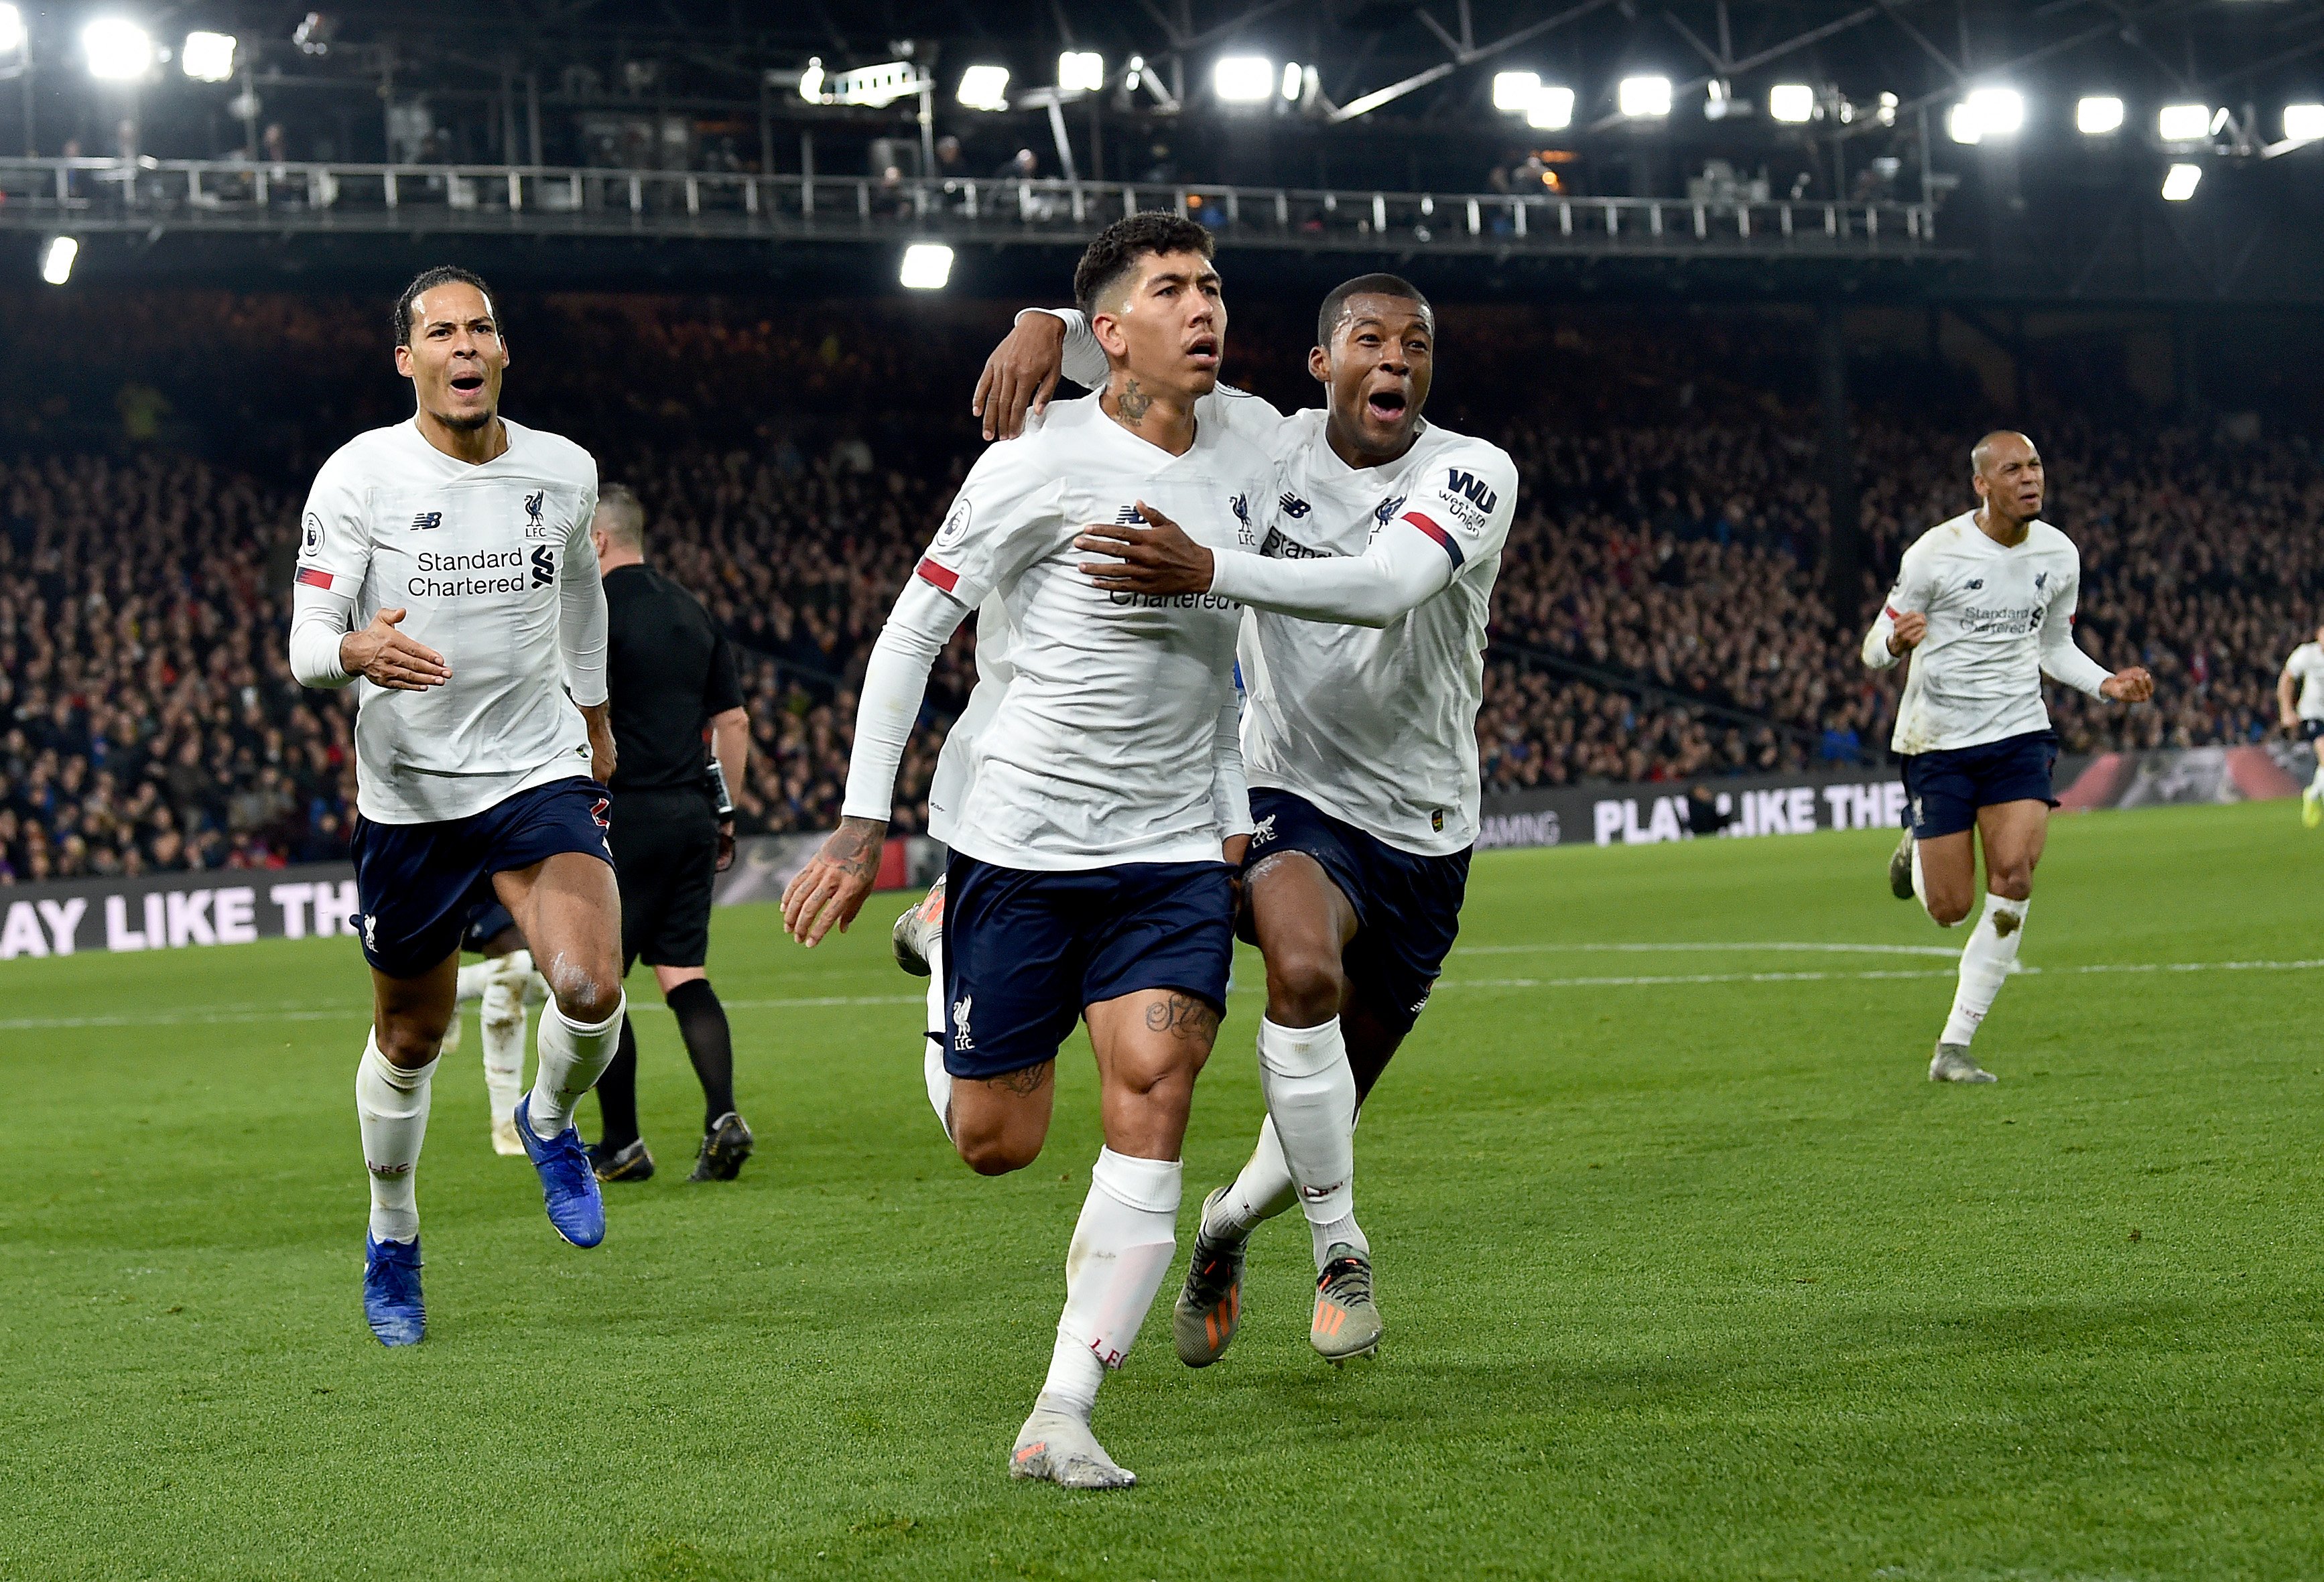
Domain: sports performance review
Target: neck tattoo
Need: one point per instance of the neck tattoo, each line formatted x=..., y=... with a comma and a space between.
x=1133, y=403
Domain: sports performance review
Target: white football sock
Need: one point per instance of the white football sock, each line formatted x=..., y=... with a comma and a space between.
x=1264, y=1188
x=932, y=1043
x=502, y=1022
x=474, y=978
x=1120, y=1250
x=392, y=1112
x=1311, y=1096
x=1986, y=961
x=573, y=1055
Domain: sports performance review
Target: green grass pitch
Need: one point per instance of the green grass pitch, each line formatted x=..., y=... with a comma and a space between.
x=1688, y=1276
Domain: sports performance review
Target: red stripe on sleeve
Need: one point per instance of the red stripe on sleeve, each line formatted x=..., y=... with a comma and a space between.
x=314, y=578
x=1444, y=539
x=938, y=577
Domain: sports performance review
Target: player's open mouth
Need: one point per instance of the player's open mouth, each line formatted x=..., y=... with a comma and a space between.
x=1386, y=406
x=1203, y=352
x=469, y=383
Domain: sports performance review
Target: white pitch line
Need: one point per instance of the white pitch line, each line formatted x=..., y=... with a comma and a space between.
x=354, y=1011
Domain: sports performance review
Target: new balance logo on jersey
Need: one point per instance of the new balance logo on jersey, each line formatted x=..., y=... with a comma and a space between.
x=1128, y=517
x=961, y=1037
x=1473, y=488
x=427, y=521
x=1294, y=507
x=544, y=566
x=1265, y=832
x=1976, y=582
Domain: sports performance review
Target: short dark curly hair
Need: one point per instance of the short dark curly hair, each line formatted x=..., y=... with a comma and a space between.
x=1335, y=306
x=426, y=281
x=1123, y=243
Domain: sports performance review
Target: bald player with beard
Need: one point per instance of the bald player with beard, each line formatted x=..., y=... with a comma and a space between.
x=1984, y=605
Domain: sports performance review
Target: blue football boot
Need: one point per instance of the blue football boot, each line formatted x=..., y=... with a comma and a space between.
x=569, y=1186
x=392, y=1304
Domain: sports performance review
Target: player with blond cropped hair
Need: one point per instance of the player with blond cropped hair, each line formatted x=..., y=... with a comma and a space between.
x=1984, y=604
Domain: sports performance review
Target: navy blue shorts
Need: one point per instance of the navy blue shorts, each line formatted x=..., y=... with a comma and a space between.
x=485, y=927
x=419, y=886
x=1943, y=790
x=2309, y=730
x=1024, y=952
x=1407, y=907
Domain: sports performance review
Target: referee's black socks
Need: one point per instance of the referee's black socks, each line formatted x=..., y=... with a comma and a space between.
x=617, y=1093
x=702, y=1023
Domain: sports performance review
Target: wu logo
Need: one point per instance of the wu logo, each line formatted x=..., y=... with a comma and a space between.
x=1478, y=492
x=961, y=1037
x=544, y=566
x=427, y=521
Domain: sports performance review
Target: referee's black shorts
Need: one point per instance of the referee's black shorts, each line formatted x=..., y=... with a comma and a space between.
x=665, y=857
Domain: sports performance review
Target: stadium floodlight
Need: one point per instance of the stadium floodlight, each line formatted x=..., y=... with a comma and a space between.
x=12, y=31
x=207, y=57
x=984, y=88
x=1295, y=78
x=57, y=260
x=1961, y=126
x=1513, y=91
x=1081, y=71
x=927, y=265
x=1642, y=98
x=1242, y=79
x=1550, y=109
x=118, y=51
x=2097, y=115
x=2180, y=181
x=2000, y=111
x=810, y=86
x=1791, y=101
x=2303, y=123
x=2183, y=123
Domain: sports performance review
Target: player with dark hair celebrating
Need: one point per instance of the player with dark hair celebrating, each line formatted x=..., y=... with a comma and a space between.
x=1359, y=742
x=446, y=570
x=1103, y=793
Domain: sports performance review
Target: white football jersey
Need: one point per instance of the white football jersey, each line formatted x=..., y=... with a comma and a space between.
x=486, y=559
x=1097, y=740
x=1977, y=676
x=2307, y=667
x=1378, y=726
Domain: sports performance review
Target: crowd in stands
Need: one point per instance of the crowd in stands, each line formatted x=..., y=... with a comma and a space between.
x=1659, y=613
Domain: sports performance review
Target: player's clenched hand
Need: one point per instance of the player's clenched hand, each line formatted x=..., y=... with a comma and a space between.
x=1910, y=628
x=2132, y=686
x=830, y=890
x=384, y=656
x=1022, y=373
x=603, y=755
x=1157, y=559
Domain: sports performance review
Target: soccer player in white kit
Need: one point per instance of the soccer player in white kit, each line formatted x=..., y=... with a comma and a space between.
x=446, y=570
x=1360, y=744
x=1100, y=803
x=1984, y=604
x=2303, y=715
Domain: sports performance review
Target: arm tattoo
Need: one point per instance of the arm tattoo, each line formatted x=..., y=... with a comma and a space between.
x=1133, y=403
x=1182, y=1015
x=855, y=846
x=1031, y=1080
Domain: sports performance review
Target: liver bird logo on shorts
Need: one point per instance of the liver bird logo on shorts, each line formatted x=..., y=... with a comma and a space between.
x=961, y=1037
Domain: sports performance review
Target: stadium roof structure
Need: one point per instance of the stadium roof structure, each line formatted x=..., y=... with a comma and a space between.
x=2076, y=150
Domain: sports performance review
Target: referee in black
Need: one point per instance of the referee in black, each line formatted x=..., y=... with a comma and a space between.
x=670, y=675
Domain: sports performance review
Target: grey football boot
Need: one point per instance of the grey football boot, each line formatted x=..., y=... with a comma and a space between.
x=1952, y=1064
x=914, y=929
x=1056, y=1446
x=1210, y=1304
x=1347, y=1322
x=1900, y=867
